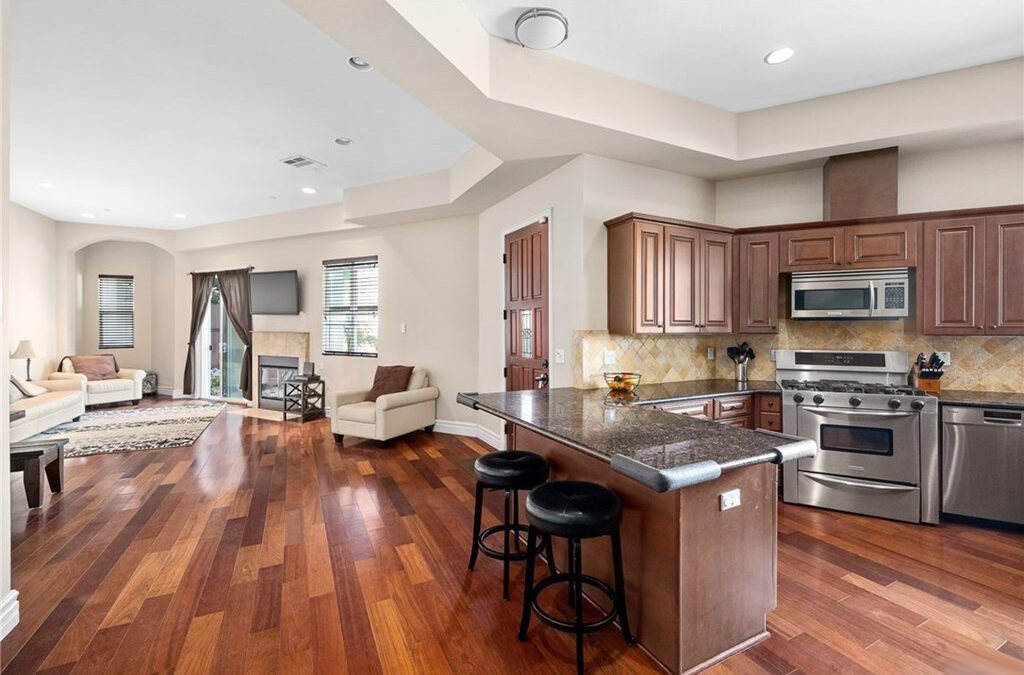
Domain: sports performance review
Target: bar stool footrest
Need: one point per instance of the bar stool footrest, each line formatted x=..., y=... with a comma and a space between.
x=586, y=579
x=498, y=554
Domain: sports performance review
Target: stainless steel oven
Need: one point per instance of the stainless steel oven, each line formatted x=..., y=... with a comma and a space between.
x=859, y=294
x=873, y=444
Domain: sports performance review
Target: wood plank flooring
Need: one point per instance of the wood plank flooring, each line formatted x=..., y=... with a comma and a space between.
x=266, y=548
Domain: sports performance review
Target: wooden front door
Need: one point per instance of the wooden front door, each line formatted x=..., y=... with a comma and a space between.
x=526, y=307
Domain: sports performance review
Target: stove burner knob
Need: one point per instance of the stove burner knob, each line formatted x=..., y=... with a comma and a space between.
x=819, y=399
x=917, y=405
x=856, y=400
x=894, y=403
x=798, y=398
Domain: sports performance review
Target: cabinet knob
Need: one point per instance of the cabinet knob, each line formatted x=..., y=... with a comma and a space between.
x=993, y=326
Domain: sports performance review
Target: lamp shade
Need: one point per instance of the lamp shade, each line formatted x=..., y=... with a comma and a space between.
x=26, y=350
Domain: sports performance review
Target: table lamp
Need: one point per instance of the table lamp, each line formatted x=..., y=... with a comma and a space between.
x=26, y=350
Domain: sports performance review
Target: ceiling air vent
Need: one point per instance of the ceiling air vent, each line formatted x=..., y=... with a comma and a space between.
x=303, y=162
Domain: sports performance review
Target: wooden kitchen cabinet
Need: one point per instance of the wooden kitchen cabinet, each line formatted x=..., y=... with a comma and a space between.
x=701, y=408
x=769, y=412
x=1004, y=274
x=735, y=411
x=952, y=277
x=756, y=289
x=876, y=245
x=667, y=276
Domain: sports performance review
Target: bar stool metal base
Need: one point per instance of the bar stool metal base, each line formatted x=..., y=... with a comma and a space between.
x=566, y=578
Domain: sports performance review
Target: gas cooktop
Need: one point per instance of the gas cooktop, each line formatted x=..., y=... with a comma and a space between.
x=850, y=387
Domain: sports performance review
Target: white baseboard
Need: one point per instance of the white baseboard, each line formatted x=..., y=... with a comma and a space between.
x=470, y=429
x=9, y=614
x=165, y=391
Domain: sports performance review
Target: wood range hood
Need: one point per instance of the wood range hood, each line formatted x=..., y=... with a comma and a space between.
x=861, y=184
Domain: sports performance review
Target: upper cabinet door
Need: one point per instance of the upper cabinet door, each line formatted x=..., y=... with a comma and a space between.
x=757, y=279
x=682, y=279
x=1004, y=275
x=882, y=245
x=953, y=277
x=815, y=248
x=716, y=282
x=649, y=278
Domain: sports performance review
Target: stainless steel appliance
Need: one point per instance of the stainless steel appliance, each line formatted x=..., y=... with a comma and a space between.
x=983, y=462
x=857, y=294
x=877, y=438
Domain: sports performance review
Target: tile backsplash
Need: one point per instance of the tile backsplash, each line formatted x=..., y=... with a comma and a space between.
x=978, y=362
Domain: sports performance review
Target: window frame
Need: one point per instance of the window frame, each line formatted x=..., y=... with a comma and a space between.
x=351, y=310
x=101, y=312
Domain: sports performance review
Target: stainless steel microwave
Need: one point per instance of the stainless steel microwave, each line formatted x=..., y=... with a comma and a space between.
x=859, y=294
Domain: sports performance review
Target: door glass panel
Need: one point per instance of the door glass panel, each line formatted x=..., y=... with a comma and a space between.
x=526, y=333
x=864, y=440
x=226, y=351
x=833, y=298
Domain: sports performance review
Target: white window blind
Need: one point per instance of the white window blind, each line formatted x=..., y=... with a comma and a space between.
x=117, y=311
x=351, y=293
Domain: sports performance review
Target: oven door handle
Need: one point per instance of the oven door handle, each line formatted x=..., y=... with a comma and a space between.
x=858, y=484
x=822, y=412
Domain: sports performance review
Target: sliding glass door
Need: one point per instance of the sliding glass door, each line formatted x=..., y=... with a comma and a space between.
x=223, y=365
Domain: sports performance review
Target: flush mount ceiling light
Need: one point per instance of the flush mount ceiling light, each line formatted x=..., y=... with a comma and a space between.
x=777, y=56
x=359, y=64
x=90, y=216
x=541, y=28
x=341, y=140
x=309, y=190
x=47, y=186
x=180, y=216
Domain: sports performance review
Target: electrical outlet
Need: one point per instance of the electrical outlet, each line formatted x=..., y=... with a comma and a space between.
x=559, y=356
x=771, y=355
x=711, y=353
x=404, y=327
x=945, y=356
x=609, y=357
x=729, y=500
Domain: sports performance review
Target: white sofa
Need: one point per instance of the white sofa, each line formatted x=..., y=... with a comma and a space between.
x=390, y=415
x=127, y=386
x=63, y=401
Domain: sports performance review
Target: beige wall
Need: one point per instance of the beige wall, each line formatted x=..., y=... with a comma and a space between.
x=152, y=269
x=32, y=288
x=785, y=197
x=427, y=281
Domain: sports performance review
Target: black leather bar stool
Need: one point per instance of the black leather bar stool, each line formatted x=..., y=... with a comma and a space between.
x=575, y=510
x=511, y=471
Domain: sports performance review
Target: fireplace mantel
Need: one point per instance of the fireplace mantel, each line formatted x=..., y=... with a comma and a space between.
x=278, y=343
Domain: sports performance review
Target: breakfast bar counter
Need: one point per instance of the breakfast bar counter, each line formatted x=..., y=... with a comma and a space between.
x=700, y=574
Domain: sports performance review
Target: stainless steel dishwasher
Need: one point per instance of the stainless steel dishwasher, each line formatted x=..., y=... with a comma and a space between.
x=983, y=462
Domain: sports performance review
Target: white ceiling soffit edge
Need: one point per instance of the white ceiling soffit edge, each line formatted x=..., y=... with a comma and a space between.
x=520, y=103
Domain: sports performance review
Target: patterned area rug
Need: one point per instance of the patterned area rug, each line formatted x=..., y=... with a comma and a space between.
x=127, y=430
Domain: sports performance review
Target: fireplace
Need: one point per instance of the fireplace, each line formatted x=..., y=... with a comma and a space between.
x=273, y=371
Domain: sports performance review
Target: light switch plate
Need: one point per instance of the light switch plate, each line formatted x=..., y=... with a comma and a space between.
x=609, y=357
x=771, y=355
x=559, y=356
x=729, y=500
x=711, y=353
x=405, y=327
x=947, y=357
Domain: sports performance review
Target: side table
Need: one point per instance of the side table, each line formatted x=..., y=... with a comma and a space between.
x=304, y=398
x=35, y=457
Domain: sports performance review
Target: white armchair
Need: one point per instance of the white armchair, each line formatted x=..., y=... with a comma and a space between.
x=127, y=386
x=390, y=415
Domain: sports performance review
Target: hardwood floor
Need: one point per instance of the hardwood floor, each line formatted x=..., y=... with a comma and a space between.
x=267, y=548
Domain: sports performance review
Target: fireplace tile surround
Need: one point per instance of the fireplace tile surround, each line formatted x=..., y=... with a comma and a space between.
x=277, y=344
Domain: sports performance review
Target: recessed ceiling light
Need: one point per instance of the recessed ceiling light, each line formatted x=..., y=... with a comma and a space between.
x=777, y=56
x=309, y=190
x=89, y=215
x=47, y=186
x=541, y=28
x=180, y=216
x=359, y=64
x=341, y=140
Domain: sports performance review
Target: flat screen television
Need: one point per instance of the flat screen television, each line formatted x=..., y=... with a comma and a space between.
x=274, y=292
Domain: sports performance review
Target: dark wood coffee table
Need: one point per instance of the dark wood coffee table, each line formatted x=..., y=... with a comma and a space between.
x=33, y=458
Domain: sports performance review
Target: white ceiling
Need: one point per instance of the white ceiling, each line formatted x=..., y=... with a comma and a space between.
x=139, y=110
x=712, y=50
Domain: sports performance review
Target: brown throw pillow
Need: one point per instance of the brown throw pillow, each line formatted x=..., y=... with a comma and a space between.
x=389, y=380
x=95, y=366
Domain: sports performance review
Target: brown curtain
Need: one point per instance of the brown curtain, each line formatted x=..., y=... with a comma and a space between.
x=234, y=292
x=202, y=286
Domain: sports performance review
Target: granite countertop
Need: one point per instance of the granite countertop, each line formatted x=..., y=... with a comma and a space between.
x=662, y=450
x=981, y=399
x=680, y=391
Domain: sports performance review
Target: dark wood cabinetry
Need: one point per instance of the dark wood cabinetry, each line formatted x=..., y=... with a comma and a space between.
x=1004, y=274
x=736, y=411
x=668, y=276
x=756, y=292
x=953, y=277
x=815, y=248
x=769, y=412
x=875, y=245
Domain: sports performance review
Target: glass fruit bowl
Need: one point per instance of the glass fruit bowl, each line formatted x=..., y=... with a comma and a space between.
x=622, y=382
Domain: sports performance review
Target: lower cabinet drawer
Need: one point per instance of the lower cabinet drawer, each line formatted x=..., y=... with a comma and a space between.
x=770, y=402
x=885, y=500
x=732, y=406
x=744, y=422
x=770, y=421
x=699, y=408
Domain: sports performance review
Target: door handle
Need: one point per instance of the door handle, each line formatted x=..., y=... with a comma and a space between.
x=858, y=484
x=541, y=380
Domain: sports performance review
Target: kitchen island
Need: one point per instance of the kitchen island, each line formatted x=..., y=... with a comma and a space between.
x=699, y=579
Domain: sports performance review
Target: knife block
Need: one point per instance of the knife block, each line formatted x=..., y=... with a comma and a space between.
x=930, y=386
